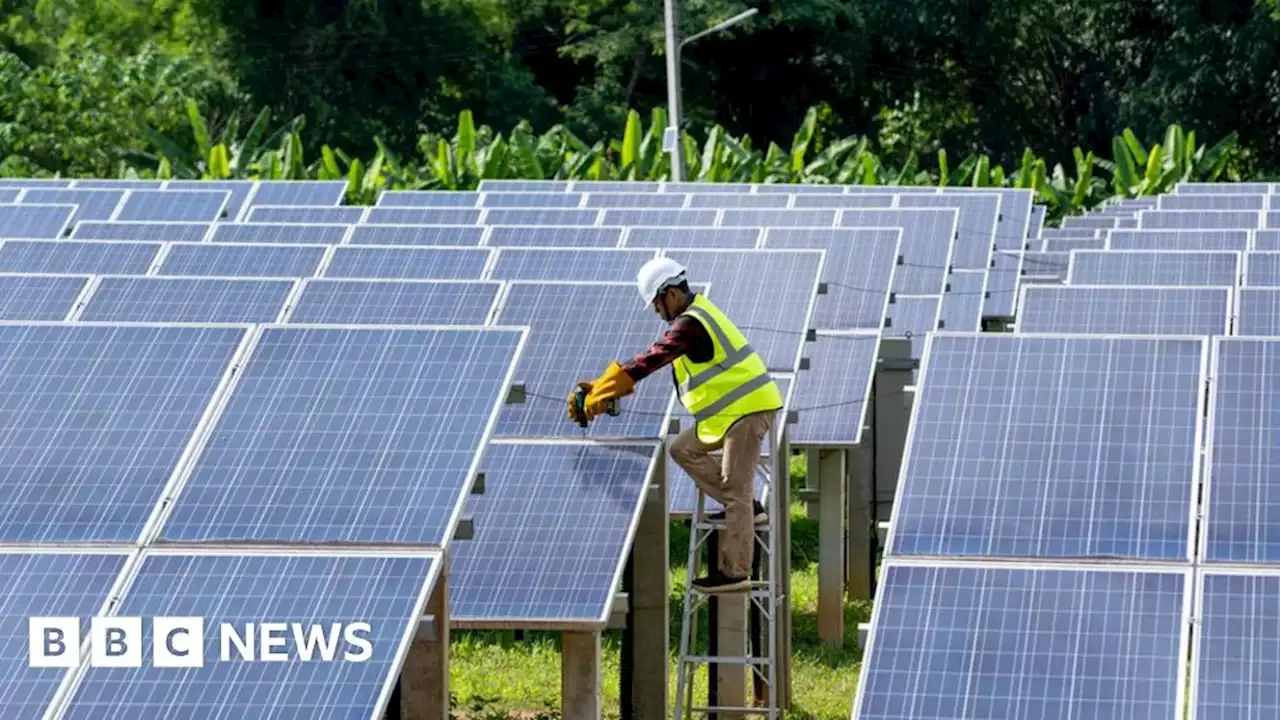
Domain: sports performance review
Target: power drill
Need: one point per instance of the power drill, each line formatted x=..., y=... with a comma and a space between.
x=580, y=401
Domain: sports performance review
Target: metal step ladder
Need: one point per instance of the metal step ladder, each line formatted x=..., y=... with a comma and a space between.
x=765, y=610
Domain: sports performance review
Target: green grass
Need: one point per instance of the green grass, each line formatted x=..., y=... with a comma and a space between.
x=496, y=677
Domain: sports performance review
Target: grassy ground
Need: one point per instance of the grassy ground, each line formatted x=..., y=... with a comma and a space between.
x=494, y=677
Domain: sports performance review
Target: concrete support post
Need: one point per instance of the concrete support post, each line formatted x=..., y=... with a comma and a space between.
x=650, y=605
x=424, y=682
x=893, y=414
x=830, y=467
x=860, y=550
x=580, y=676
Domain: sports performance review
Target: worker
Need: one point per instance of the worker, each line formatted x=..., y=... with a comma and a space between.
x=725, y=386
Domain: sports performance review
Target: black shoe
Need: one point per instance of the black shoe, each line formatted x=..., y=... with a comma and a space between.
x=761, y=515
x=712, y=585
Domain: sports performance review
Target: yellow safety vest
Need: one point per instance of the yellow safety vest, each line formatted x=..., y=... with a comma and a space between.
x=734, y=383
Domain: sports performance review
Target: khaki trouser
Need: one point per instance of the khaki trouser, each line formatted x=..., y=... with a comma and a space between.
x=731, y=481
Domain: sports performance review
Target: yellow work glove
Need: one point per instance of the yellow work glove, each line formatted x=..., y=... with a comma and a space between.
x=614, y=383
x=573, y=405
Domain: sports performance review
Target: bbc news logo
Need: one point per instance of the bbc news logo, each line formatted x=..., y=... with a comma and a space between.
x=179, y=642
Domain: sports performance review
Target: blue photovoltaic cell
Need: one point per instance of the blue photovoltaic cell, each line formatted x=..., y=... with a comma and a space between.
x=975, y=225
x=1036, y=221
x=1242, y=497
x=119, y=184
x=315, y=591
x=1001, y=283
x=1233, y=670
x=45, y=585
x=523, y=185
x=1018, y=449
x=553, y=217
x=1200, y=220
x=1266, y=240
x=91, y=204
x=1262, y=269
x=835, y=388
x=39, y=297
x=927, y=240
x=425, y=198
x=606, y=186
x=693, y=237
x=1125, y=310
x=1222, y=188
x=423, y=216
x=69, y=257
x=1088, y=222
x=1053, y=264
x=173, y=206
x=962, y=302
x=859, y=268
x=239, y=190
x=194, y=300
x=738, y=200
x=845, y=201
x=778, y=218
x=913, y=316
x=1061, y=244
x=37, y=222
x=636, y=200
x=552, y=532
x=1165, y=267
x=531, y=200
x=1258, y=312
x=575, y=331
x=569, y=265
x=96, y=419
x=459, y=235
x=144, y=231
x=541, y=236
x=348, y=435
x=394, y=302
x=408, y=263
x=307, y=215
x=1178, y=239
x=1012, y=642
x=306, y=233
x=237, y=260
x=9, y=196
x=1212, y=202
x=34, y=182
x=775, y=321
x=661, y=218
x=292, y=192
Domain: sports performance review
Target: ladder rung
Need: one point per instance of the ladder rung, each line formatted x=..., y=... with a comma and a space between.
x=725, y=660
x=760, y=527
x=756, y=585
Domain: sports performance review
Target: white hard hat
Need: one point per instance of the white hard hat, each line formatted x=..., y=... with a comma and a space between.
x=656, y=275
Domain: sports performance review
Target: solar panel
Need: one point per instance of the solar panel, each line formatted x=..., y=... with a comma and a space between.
x=1258, y=312
x=635, y=200
x=1200, y=220
x=716, y=188
x=832, y=394
x=395, y=302
x=1012, y=229
x=421, y=198
x=267, y=233
x=144, y=231
x=692, y=237
x=739, y=200
x=1046, y=263
x=553, y=216
x=294, y=192
x=39, y=297
x=187, y=300
x=775, y=321
x=348, y=435
x=1240, y=488
x=96, y=420
x=240, y=260
x=1047, y=447
x=913, y=316
x=1088, y=222
x=975, y=225
x=1232, y=661
x=530, y=200
x=1002, y=284
x=1036, y=220
x=1062, y=642
x=523, y=186
x=118, y=184
x=9, y=196
x=1052, y=244
x=895, y=189
x=858, y=270
x=962, y=303
x=1113, y=309
x=1262, y=269
x=1271, y=220
x=173, y=206
x=305, y=215
x=1212, y=202
x=1266, y=240
x=459, y=235
x=46, y=584
x=90, y=204
x=70, y=257
x=553, y=528
x=239, y=189
x=1223, y=188
x=1178, y=239
x=422, y=216
x=1163, y=267
x=408, y=263
x=543, y=236
x=1072, y=233
x=35, y=221
x=778, y=218
x=35, y=182
x=610, y=186
x=927, y=240
x=249, y=591
x=660, y=218
x=575, y=331
x=569, y=265
x=845, y=201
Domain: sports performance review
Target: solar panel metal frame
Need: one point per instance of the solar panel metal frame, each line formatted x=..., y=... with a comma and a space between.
x=1231, y=293
x=594, y=624
x=1197, y=638
x=199, y=440
x=1184, y=625
x=291, y=304
x=1241, y=259
x=1197, y=468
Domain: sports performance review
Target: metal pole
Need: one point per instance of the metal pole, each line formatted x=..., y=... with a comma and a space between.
x=672, y=138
